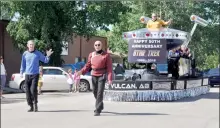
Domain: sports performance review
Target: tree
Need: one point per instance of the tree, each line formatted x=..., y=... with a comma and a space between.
x=4, y=11
x=50, y=23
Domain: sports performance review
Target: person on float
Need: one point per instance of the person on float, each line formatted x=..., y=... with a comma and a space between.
x=188, y=54
x=156, y=24
x=184, y=51
x=173, y=62
x=119, y=70
x=154, y=69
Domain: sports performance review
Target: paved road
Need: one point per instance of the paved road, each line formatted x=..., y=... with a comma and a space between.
x=63, y=110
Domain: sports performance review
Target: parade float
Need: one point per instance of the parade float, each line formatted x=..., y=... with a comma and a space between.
x=152, y=46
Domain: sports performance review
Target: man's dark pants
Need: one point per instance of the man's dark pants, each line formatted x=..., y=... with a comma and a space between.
x=31, y=82
x=98, y=83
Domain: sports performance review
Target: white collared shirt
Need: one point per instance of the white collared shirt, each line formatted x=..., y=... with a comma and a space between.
x=3, y=71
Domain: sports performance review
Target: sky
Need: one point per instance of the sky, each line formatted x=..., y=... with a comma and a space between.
x=16, y=17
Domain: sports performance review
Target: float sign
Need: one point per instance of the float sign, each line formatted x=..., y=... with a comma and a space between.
x=147, y=51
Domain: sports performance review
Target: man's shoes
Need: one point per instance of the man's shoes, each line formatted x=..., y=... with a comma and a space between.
x=35, y=108
x=100, y=111
x=96, y=114
x=31, y=109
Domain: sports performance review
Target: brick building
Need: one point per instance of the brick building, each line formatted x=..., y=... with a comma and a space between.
x=12, y=56
x=81, y=47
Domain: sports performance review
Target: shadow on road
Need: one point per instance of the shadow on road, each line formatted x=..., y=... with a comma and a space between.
x=106, y=113
x=10, y=101
x=210, y=95
x=130, y=114
x=10, y=98
x=64, y=110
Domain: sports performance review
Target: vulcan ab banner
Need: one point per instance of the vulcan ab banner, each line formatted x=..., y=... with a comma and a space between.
x=147, y=51
x=128, y=85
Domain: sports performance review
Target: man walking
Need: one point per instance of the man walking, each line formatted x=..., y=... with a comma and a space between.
x=100, y=63
x=30, y=66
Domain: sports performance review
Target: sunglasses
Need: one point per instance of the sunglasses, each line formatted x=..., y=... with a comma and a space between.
x=97, y=44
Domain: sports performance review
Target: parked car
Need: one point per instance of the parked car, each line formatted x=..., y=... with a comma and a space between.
x=55, y=79
x=214, y=76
